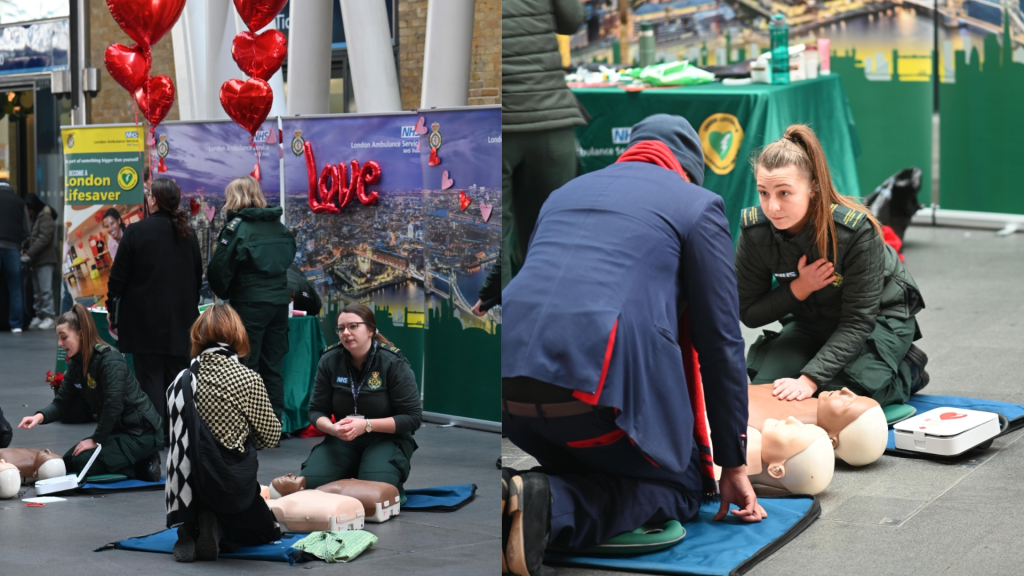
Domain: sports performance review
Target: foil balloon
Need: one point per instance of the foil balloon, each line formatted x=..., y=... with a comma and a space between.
x=328, y=194
x=260, y=55
x=128, y=65
x=146, y=21
x=314, y=189
x=155, y=98
x=258, y=13
x=370, y=174
x=348, y=187
x=247, y=103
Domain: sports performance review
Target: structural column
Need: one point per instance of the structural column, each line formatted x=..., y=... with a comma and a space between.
x=447, y=54
x=309, y=57
x=371, y=55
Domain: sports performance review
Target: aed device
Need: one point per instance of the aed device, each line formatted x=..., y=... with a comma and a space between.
x=946, y=431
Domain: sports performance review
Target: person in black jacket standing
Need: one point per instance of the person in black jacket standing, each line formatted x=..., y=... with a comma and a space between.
x=153, y=292
x=14, y=228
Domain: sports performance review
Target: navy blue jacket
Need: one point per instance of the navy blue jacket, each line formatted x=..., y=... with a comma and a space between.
x=633, y=246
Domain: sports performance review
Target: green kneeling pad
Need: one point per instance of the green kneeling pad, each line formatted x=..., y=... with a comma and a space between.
x=897, y=413
x=644, y=540
x=105, y=478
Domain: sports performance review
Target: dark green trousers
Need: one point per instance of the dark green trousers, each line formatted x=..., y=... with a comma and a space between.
x=878, y=372
x=267, y=328
x=120, y=453
x=533, y=165
x=376, y=457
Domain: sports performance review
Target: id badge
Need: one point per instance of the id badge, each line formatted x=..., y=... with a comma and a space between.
x=360, y=416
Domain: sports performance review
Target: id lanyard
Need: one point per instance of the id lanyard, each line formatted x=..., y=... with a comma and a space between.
x=368, y=365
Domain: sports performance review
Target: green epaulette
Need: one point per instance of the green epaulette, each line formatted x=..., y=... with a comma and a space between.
x=849, y=217
x=752, y=216
x=389, y=347
x=233, y=225
x=101, y=347
x=334, y=346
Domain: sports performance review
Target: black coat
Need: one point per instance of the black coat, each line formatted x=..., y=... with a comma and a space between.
x=157, y=278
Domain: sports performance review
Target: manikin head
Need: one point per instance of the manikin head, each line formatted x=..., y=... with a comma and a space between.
x=10, y=480
x=797, y=456
x=855, y=424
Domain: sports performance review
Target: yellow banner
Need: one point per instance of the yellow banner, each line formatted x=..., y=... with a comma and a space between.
x=98, y=140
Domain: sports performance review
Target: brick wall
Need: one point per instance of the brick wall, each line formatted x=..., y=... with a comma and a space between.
x=113, y=104
x=485, y=69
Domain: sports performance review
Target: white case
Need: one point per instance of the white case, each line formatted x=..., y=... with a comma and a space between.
x=946, y=431
x=67, y=482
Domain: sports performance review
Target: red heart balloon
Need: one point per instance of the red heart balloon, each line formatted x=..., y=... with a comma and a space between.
x=155, y=99
x=193, y=206
x=247, y=103
x=434, y=159
x=464, y=200
x=128, y=66
x=146, y=21
x=258, y=13
x=260, y=55
x=951, y=416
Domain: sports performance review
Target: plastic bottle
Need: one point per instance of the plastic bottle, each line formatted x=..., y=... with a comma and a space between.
x=779, y=32
x=646, y=44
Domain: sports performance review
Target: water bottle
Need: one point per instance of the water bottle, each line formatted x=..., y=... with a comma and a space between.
x=779, y=33
x=646, y=44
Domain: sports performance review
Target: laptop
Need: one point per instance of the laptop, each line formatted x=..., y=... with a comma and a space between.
x=67, y=482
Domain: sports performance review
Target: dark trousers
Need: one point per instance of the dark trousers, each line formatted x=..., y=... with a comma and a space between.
x=251, y=527
x=375, y=457
x=155, y=372
x=601, y=484
x=10, y=269
x=267, y=328
x=120, y=453
x=533, y=165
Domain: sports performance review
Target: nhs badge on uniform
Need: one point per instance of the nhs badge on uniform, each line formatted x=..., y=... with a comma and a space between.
x=787, y=274
x=78, y=385
x=342, y=380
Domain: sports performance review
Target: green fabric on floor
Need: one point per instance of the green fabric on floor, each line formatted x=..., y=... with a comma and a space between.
x=336, y=546
x=897, y=413
x=644, y=540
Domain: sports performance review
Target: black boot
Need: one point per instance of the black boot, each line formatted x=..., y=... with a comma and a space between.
x=917, y=360
x=6, y=432
x=149, y=469
x=208, y=543
x=529, y=509
x=185, y=547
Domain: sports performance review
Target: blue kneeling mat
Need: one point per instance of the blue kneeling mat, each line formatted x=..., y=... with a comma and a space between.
x=1012, y=418
x=95, y=484
x=163, y=541
x=439, y=498
x=727, y=548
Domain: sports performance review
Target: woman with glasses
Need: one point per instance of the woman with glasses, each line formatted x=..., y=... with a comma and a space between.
x=366, y=400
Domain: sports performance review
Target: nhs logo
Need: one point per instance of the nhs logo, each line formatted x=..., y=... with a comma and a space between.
x=409, y=132
x=621, y=135
x=131, y=134
x=261, y=136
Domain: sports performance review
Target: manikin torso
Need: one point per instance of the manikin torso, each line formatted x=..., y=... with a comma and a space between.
x=311, y=510
x=855, y=424
x=34, y=464
x=790, y=455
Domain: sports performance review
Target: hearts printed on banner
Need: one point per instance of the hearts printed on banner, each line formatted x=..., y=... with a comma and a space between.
x=98, y=217
x=446, y=182
x=951, y=416
x=258, y=13
x=247, y=103
x=434, y=159
x=193, y=206
x=260, y=56
x=485, y=211
x=210, y=212
x=464, y=200
x=128, y=65
x=78, y=233
x=155, y=98
x=80, y=245
x=146, y=21
x=421, y=126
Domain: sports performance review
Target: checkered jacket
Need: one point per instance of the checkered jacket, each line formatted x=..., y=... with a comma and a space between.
x=233, y=402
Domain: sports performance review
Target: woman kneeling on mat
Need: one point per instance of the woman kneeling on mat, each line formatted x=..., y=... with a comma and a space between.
x=218, y=407
x=845, y=301
x=366, y=400
x=128, y=426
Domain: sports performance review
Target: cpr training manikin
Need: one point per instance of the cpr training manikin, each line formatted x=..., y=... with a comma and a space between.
x=27, y=465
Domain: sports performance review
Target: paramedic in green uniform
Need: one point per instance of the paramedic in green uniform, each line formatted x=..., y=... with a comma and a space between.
x=250, y=269
x=127, y=425
x=369, y=389
x=845, y=301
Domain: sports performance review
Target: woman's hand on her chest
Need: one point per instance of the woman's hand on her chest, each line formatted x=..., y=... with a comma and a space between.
x=811, y=277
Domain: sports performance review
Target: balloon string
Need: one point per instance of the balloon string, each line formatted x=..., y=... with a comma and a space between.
x=135, y=112
x=256, y=170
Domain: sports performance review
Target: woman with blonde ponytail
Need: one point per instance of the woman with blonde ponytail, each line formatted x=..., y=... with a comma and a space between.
x=817, y=262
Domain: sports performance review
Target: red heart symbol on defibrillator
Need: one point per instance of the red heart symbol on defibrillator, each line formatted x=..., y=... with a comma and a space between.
x=951, y=416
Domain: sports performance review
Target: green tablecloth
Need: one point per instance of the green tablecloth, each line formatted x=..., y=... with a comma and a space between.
x=305, y=342
x=733, y=121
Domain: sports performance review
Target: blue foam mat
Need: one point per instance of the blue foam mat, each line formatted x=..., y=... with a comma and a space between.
x=1014, y=413
x=163, y=542
x=439, y=498
x=124, y=485
x=710, y=548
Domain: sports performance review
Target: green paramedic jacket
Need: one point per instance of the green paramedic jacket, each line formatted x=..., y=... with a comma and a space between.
x=871, y=283
x=250, y=265
x=112, y=392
